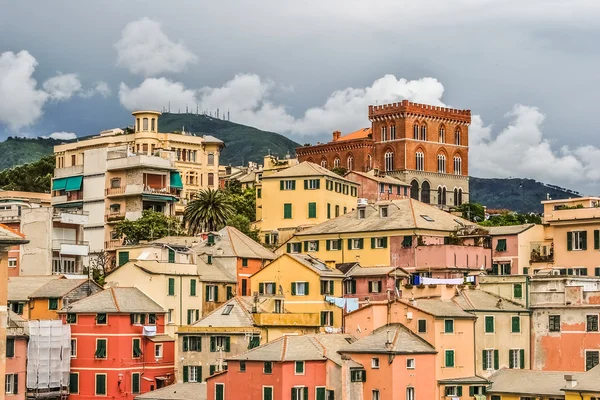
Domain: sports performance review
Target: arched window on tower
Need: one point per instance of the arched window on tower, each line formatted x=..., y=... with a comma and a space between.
x=426, y=193
x=442, y=138
x=324, y=163
x=336, y=163
x=416, y=132
x=457, y=137
x=441, y=163
x=369, y=162
x=460, y=197
x=414, y=189
x=350, y=163
x=457, y=165
x=389, y=161
x=424, y=132
x=419, y=161
x=384, y=133
x=456, y=197
x=393, y=132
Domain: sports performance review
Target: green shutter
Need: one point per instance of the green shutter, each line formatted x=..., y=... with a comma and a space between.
x=331, y=288
x=494, y=269
x=227, y=344
x=186, y=343
x=213, y=344
x=212, y=369
x=323, y=318
x=516, y=324
x=320, y=393
x=361, y=243
x=193, y=287
x=489, y=324
x=261, y=288
x=289, y=248
x=330, y=318
x=496, y=360
x=185, y=373
x=229, y=292
x=459, y=391
x=123, y=257
x=353, y=286
x=317, y=246
x=471, y=391
x=293, y=288
x=305, y=390
x=101, y=384
x=373, y=244
x=216, y=293
x=327, y=245
x=318, y=184
x=281, y=185
x=287, y=211
x=219, y=395
x=10, y=347
x=449, y=358
x=484, y=360
x=306, y=289
x=569, y=241
x=328, y=211
x=349, y=244
x=293, y=185
x=596, y=239
x=584, y=239
x=171, y=255
x=294, y=394
x=305, y=184
x=135, y=383
x=518, y=291
x=384, y=242
x=597, y=271
x=73, y=383
x=511, y=363
x=312, y=210
x=171, y=286
x=267, y=393
x=522, y=358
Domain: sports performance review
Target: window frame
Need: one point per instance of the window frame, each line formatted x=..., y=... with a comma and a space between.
x=410, y=361
x=419, y=325
x=446, y=352
x=493, y=324
x=552, y=323
x=96, y=384
x=375, y=363
x=270, y=369
x=105, y=349
x=303, y=366
x=446, y=326
x=73, y=354
x=591, y=351
x=158, y=350
x=587, y=323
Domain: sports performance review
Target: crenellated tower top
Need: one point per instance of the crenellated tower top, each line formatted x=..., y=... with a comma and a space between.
x=406, y=108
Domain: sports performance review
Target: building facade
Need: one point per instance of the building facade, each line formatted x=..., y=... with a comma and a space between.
x=16, y=357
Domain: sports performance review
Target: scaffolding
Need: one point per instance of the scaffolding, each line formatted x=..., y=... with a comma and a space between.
x=49, y=360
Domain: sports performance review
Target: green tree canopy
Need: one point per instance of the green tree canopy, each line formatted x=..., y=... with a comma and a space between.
x=472, y=211
x=31, y=177
x=151, y=226
x=208, y=211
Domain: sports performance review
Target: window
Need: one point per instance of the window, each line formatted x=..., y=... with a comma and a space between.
x=158, y=350
x=350, y=163
x=52, y=304
x=457, y=137
x=137, y=319
x=71, y=318
x=350, y=286
x=441, y=163
x=242, y=366
x=361, y=213
x=457, y=165
x=268, y=367
x=516, y=324
x=324, y=163
x=100, y=348
x=73, y=348
x=212, y=293
x=422, y=326
x=416, y=132
x=299, y=393
x=516, y=358
x=287, y=185
x=336, y=163
x=192, y=287
x=554, y=323
x=333, y=245
x=100, y=384
x=218, y=343
x=192, y=343
x=442, y=135
x=379, y=243
x=389, y=161
x=489, y=324
x=357, y=375
x=10, y=347
x=355, y=244
x=259, y=193
x=227, y=309
x=135, y=377
x=299, y=370
x=266, y=288
x=287, y=211
x=369, y=162
x=592, y=323
x=327, y=287
x=420, y=161
x=577, y=240
x=73, y=383
x=423, y=132
x=383, y=212
x=12, y=263
x=136, y=348
x=171, y=286
x=410, y=393
x=449, y=358
x=374, y=286
x=170, y=316
x=278, y=306
x=101, y=319
x=453, y=391
x=312, y=210
x=326, y=318
x=517, y=291
x=211, y=159
x=299, y=288
x=501, y=245
x=211, y=179
x=375, y=362
x=410, y=363
x=384, y=133
x=392, y=132
x=591, y=359
x=449, y=326
x=11, y=383
x=375, y=394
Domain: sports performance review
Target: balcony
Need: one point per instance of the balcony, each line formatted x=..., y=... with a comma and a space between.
x=71, y=216
x=68, y=171
x=287, y=319
x=113, y=244
x=139, y=161
x=68, y=197
x=71, y=247
x=541, y=252
x=140, y=189
x=114, y=217
x=8, y=216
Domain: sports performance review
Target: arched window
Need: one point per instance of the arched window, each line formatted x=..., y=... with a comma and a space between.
x=439, y=195
x=369, y=162
x=457, y=137
x=393, y=132
x=444, y=195
x=211, y=179
x=426, y=192
x=324, y=163
x=442, y=137
x=416, y=132
x=457, y=165
x=424, y=132
x=336, y=163
x=459, y=197
x=138, y=128
x=419, y=161
x=145, y=124
x=384, y=133
x=153, y=125
x=211, y=159
x=414, y=189
x=350, y=163
x=441, y=164
x=389, y=161
x=456, y=197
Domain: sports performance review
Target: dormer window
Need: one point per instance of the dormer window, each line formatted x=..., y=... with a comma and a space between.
x=211, y=239
x=383, y=211
x=361, y=213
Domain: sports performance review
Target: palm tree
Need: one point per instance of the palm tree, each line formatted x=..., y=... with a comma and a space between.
x=209, y=211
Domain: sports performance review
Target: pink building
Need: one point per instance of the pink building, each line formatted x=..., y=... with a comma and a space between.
x=517, y=248
x=398, y=364
x=306, y=367
x=376, y=185
x=16, y=357
x=372, y=283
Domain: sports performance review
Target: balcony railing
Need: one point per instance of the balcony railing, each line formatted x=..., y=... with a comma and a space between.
x=113, y=244
x=68, y=171
x=67, y=197
x=542, y=252
x=114, y=217
x=138, y=189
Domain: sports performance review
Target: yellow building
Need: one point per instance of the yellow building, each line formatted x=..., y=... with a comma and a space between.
x=119, y=173
x=298, y=197
x=583, y=386
x=512, y=384
x=300, y=283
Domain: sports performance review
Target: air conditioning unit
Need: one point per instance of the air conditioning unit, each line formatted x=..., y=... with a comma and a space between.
x=362, y=202
x=409, y=315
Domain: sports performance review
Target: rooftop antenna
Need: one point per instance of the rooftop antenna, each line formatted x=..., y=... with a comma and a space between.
x=228, y=115
x=169, y=106
x=217, y=113
x=197, y=109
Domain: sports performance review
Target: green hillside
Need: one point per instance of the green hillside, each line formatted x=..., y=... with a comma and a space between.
x=521, y=195
x=18, y=151
x=242, y=143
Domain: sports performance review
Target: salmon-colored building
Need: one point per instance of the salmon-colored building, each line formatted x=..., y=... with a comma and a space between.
x=399, y=365
x=118, y=345
x=306, y=367
x=379, y=187
x=16, y=357
x=369, y=284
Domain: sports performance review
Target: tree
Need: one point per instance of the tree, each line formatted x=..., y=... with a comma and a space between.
x=339, y=170
x=151, y=226
x=472, y=211
x=208, y=211
x=242, y=224
x=100, y=263
x=512, y=218
x=31, y=177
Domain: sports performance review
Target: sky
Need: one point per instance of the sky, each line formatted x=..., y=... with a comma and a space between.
x=528, y=70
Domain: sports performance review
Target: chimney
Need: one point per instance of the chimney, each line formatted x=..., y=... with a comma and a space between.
x=255, y=303
x=336, y=135
x=571, y=381
x=389, y=337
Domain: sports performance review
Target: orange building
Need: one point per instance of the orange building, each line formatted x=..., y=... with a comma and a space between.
x=46, y=302
x=118, y=345
x=423, y=145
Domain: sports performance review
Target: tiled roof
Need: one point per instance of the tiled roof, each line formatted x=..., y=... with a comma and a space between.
x=375, y=271
x=11, y=236
x=239, y=316
x=345, y=267
x=299, y=348
x=165, y=268
x=465, y=379
x=116, y=300
x=177, y=391
x=403, y=214
x=530, y=382
x=21, y=287
x=363, y=133
x=479, y=300
x=233, y=243
x=508, y=230
x=588, y=381
x=403, y=341
x=178, y=241
x=214, y=272
x=306, y=169
x=58, y=288
x=316, y=265
x=211, y=139
x=438, y=308
x=379, y=179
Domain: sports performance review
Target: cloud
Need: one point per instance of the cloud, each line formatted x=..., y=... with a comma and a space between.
x=101, y=88
x=156, y=93
x=144, y=49
x=62, y=86
x=20, y=101
x=62, y=136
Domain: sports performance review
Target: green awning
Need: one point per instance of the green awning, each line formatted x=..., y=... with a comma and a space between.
x=154, y=197
x=59, y=184
x=176, y=180
x=74, y=183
